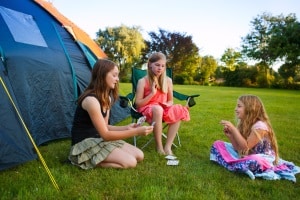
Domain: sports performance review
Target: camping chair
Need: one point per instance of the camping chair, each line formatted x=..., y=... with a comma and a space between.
x=135, y=115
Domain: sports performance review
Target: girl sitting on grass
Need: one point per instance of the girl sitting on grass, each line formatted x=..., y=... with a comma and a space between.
x=96, y=143
x=253, y=146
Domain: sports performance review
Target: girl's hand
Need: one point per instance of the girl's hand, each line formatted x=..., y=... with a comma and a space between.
x=226, y=132
x=168, y=104
x=145, y=130
x=131, y=126
x=228, y=127
x=154, y=88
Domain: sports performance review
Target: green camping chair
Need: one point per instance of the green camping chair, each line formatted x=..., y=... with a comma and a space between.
x=135, y=115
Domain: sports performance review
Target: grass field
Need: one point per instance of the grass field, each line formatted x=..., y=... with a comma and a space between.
x=196, y=177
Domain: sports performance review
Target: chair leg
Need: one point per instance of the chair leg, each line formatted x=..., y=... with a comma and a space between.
x=134, y=141
x=135, y=138
x=151, y=139
x=147, y=143
x=178, y=139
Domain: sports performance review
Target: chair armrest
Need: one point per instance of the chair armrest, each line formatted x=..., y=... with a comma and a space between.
x=130, y=96
x=124, y=101
x=191, y=101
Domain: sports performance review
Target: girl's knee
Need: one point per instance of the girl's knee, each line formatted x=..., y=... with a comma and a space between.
x=140, y=156
x=131, y=163
x=157, y=109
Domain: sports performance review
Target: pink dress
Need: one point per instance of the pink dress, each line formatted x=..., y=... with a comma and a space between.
x=171, y=114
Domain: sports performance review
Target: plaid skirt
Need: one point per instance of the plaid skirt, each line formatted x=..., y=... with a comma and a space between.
x=88, y=153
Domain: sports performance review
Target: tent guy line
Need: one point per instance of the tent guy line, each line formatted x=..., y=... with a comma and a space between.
x=30, y=137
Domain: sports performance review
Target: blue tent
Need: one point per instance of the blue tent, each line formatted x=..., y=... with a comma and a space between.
x=43, y=69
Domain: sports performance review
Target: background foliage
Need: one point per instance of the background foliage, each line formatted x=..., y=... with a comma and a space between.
x=272, y=39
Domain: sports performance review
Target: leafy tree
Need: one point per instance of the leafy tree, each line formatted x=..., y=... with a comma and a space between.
x=255, y=44
x=182, y=53
x=231, y=58
x=285, y=45
x=242, y=76
x=207, y=69
x=219, y=73
x=289, y=70
x=285, y=38
x=123, y=45
x=274, y=38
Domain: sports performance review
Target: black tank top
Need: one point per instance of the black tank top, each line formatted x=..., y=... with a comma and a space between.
x=83, y=126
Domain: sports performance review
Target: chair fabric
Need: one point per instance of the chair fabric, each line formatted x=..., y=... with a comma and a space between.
x=137, y=74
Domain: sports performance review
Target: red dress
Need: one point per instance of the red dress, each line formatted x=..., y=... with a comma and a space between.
x=171, y=114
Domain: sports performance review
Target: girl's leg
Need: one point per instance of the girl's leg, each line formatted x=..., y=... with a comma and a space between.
x=125, y=157
x=157, y=112
x=134, y=151
x=172, y=130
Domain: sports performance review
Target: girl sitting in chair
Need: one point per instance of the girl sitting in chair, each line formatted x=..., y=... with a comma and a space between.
x=154, y=99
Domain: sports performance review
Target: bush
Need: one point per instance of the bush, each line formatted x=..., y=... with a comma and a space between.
x=179, y=79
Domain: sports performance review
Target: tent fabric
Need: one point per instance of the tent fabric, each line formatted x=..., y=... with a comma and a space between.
x=44, y=78
x=15, y=148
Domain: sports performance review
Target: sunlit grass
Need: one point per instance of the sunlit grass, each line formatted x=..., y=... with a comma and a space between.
x=195, y=177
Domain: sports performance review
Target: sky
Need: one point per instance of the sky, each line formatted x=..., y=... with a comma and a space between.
x=214, y=25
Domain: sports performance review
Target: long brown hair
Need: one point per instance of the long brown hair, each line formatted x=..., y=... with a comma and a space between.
x=255, y=111
x=98, y=85
x=162, y=81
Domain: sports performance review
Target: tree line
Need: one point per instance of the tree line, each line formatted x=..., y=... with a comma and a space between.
x=271, y=39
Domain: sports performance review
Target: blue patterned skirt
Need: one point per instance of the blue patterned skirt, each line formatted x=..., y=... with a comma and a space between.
x=254, y=165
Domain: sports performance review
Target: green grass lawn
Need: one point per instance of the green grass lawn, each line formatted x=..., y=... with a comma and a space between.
x=196, y=177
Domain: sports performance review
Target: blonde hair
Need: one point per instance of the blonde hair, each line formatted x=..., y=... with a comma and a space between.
x=162, y=80
x=255, y=111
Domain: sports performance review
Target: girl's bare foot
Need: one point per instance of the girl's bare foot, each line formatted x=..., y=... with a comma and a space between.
x=161, y=152
x=169, y=152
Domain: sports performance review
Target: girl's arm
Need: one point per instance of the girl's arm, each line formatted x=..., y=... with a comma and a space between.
x=170, y=92
x=121, y=128
x=116, y=128
x=237, y=140
x=92, y=106
x=252, y=140
x=140, y=100
x=255, y=137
